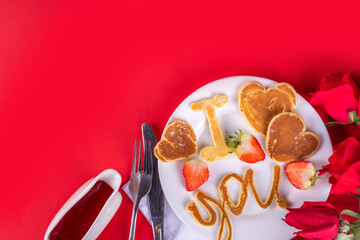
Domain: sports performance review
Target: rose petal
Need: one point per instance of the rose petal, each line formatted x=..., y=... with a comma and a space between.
x=297, y=237
x=349, y=157
x=324, y=233
x=315, y=220
x=337, y=102
x=341, y=147
x=349, y=181
x=292, y=221
x=345, y=154
x=317, y=205
x=334, y=173
x=333, y=180
x=344, y=201
x=329, y=81
x=347, y=79
x=308, y=218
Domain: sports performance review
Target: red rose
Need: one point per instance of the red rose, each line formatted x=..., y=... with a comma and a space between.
x=337, y=94
x=297, y=237
x=344, y=167
x=316, y=220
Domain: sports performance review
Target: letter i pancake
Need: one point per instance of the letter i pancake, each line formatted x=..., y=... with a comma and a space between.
x=220, y=150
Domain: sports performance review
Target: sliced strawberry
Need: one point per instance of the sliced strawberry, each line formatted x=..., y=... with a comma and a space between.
x=301, y=174
x=249, y=149
x=196, y=172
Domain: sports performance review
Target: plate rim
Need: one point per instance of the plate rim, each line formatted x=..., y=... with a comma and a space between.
x=171, y=118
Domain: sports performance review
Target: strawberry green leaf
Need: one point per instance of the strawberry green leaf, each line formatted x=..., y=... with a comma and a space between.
x=234, y=143
x=231, y=144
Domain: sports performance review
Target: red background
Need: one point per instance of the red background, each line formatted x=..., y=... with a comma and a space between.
x=77, y=79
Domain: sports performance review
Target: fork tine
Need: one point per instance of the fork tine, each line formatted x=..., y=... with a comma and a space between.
x=133, y=170
x=146, y=156
x=139, y=160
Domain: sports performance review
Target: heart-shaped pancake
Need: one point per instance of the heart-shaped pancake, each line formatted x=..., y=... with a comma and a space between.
x=260, y=105
x=287, y=140
x=179, y=142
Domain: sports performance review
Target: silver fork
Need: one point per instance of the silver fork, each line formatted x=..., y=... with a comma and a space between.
x=140, y=181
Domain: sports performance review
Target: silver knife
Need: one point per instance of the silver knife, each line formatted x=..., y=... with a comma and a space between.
x=156, y=195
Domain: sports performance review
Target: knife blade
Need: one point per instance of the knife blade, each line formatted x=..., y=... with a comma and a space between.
x=156, y=195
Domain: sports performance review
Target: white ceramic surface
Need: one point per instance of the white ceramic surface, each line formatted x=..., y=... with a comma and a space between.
x=113, y=179
x=254, y=223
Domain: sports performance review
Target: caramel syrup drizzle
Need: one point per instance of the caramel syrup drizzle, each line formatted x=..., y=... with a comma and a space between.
x=246, y=182
x=203, y=198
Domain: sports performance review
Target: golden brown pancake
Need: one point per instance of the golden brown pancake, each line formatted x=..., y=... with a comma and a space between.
x=260, y=105
x=179, y=142
x=285, y=87
x=236, y=208
x=287, y=139
x=219, y=150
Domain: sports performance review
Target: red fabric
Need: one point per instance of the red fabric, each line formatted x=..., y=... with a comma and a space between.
x=318, y=220
x=77, y=79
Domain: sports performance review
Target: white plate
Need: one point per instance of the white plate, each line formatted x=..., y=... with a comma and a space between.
x=255, y=222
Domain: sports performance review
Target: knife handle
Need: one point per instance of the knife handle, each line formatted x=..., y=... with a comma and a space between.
x=158, y=230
